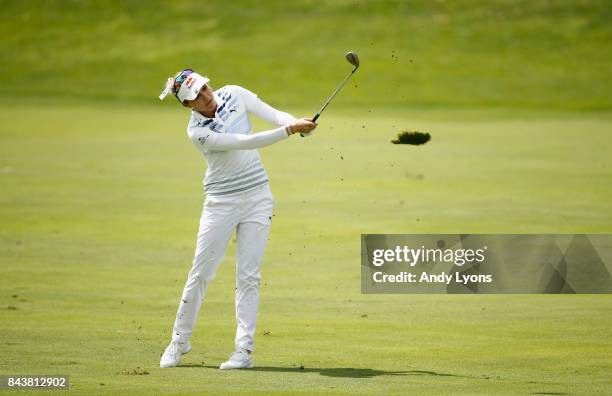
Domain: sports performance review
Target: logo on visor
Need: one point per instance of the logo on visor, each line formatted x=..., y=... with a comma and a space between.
x=189, y=82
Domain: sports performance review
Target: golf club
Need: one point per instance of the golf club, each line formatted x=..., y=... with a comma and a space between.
x=353, y=59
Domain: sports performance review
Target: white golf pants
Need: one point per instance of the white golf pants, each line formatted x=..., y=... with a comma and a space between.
x=250, y=214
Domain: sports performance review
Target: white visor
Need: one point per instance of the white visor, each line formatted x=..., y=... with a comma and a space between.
x=191, y=87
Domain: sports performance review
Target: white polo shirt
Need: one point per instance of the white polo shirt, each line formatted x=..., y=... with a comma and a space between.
x=227, y=141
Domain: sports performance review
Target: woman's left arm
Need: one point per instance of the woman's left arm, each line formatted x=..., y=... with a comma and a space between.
x=264, y=110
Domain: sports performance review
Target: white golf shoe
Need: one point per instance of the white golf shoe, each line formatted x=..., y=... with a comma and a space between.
x=240, y=359
x=173, y=352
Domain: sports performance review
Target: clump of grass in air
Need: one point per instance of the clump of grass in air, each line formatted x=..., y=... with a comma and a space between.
x=414, y=138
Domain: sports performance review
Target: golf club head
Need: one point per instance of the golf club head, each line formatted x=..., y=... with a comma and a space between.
x=352, y=58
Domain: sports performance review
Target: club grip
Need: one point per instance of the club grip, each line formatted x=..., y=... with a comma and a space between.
x=314, y=119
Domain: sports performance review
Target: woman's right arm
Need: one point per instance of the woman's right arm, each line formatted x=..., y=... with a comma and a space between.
x=214, y=141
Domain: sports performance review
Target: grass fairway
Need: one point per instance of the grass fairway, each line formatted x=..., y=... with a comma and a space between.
x=99, y=210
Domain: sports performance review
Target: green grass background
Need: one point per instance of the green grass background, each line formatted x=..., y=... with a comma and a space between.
x=101, y=191
x=455, y=53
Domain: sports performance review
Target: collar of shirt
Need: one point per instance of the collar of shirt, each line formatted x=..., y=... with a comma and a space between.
x=218, y=99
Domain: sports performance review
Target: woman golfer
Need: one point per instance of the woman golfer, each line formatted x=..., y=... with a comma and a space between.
x=238, y=197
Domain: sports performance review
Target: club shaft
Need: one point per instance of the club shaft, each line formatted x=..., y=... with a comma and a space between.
x=314, y=119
